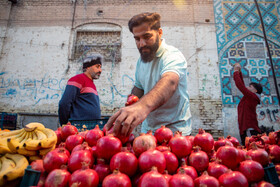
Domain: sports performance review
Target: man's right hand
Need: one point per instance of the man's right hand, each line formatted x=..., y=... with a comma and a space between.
x=237, y=67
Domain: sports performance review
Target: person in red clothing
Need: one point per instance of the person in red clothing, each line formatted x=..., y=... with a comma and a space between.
x=246, y=110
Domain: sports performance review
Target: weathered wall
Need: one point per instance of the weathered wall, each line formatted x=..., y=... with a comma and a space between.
x=38, y=41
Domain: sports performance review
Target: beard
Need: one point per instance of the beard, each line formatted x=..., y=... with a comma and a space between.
x=149, y=56
x=95, y=75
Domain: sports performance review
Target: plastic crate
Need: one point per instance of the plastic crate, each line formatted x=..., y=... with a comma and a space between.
x=8, y=121
x=31, y=177
x=270, y=175
x=83, y=125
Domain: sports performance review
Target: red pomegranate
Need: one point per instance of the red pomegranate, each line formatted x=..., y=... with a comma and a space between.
x=102, y=169
x=83, y=133
x=58, y=134
x=166, y=176
x=152, y=179
x=72, y=141
x=172, y=162
x=125, y=162
x=77, y=158
x=241, y=154
x=38, y=166
x=143, y=143
x=204, y=140
x=150, y=132
x=61, y=148
x=67, y=130
x=221, y=142
x=151, y=158
x=233, y=179
x=163, y=134
x=259, y=155
x=116, y=178
x=265, y=138
x=228, y=156
x=199, y=160
x=83, y=146
x=274, y=152
x=84, y=177
x=54, y=160
x=93, y=135
x=233, y=140
x=252, y=170
x=216, y=169
x=191, y=139
x=162, y=148
x=189, y=170
x=206, y=180
x=181, y=179
x=180, y=145
x=58, y=177
x=264, y=184
x=108, y=146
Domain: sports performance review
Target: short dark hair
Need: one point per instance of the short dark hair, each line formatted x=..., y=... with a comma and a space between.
x=153, y=19
x=257, y=86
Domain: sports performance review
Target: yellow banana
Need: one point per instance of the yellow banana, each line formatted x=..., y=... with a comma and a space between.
x=4, y=149
x=21, y=165
x=35, y=124
x=50, y=140
x=34, y=135
x=32, y=145
x=43, y=152
x=7, y=166
x=40, y=135
x=19, y=135
x=21, y=150
x=10, y=133
x=26, y=137
x=22, y=137
x=13, y=144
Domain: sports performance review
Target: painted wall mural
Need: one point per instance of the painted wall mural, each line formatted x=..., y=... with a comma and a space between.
x=240, y=40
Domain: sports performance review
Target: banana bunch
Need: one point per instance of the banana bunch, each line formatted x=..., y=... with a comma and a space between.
x=33, y=140
x=12, y=166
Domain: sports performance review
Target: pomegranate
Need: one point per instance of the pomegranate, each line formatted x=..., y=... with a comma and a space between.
x=42, y=180
x=83, y=146
x=241, y=154
x=233, y=140
x=151, y=158
x=58, y=134
x=277, y=167
x=58, y=177
x=152, y=179
x=77, y=158
x=163, y=134
x=143, y=143
x=54, y=160
x=93, y=135
x=150, y=132
x=228, y=156
x=162, y=148
x=265, y=138
x=125, y=162
x=166, y=176
x=172, y=162
x=233, y=179
x=38, y=166
x=252, y=170
x=189, y=170
x=108, y=146
x=123, y=139
x=181, y=179
x=116, y=178
x=191, y=139
x=84, y=177
x=72, y=141
x=180, y=145
x=206, y=180
x=131, y=99
x=204, y=140
x=216, y=169
x=259, y=155
x=83, y=133
x=199, y=160
x=221, y=142
x=67, y=130
x=61, y=148
x=94, y=152
x=102, y=169
x=264, y=184
x=274, y=152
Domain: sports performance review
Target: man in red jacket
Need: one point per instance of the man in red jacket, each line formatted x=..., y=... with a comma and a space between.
x=247, y=115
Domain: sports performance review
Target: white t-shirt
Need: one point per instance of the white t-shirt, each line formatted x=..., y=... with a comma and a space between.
x=175, y=113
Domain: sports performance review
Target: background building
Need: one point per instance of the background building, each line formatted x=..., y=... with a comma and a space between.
x=43, y=41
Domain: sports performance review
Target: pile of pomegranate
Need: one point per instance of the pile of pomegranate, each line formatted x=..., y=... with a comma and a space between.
x=97, y=158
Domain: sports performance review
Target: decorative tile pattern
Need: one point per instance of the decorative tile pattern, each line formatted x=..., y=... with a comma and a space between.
x=239, y=40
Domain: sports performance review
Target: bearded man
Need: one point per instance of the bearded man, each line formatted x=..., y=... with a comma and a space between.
x=160, y=83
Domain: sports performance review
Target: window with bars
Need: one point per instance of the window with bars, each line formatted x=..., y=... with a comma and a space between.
x=106, y=43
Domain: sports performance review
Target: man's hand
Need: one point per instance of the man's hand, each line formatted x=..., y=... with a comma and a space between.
x=237, y=67
x=127, y=118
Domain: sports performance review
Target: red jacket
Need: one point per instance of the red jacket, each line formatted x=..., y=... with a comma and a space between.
x=247, y=116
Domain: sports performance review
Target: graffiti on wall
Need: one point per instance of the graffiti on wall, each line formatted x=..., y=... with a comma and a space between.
x=272, y=115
